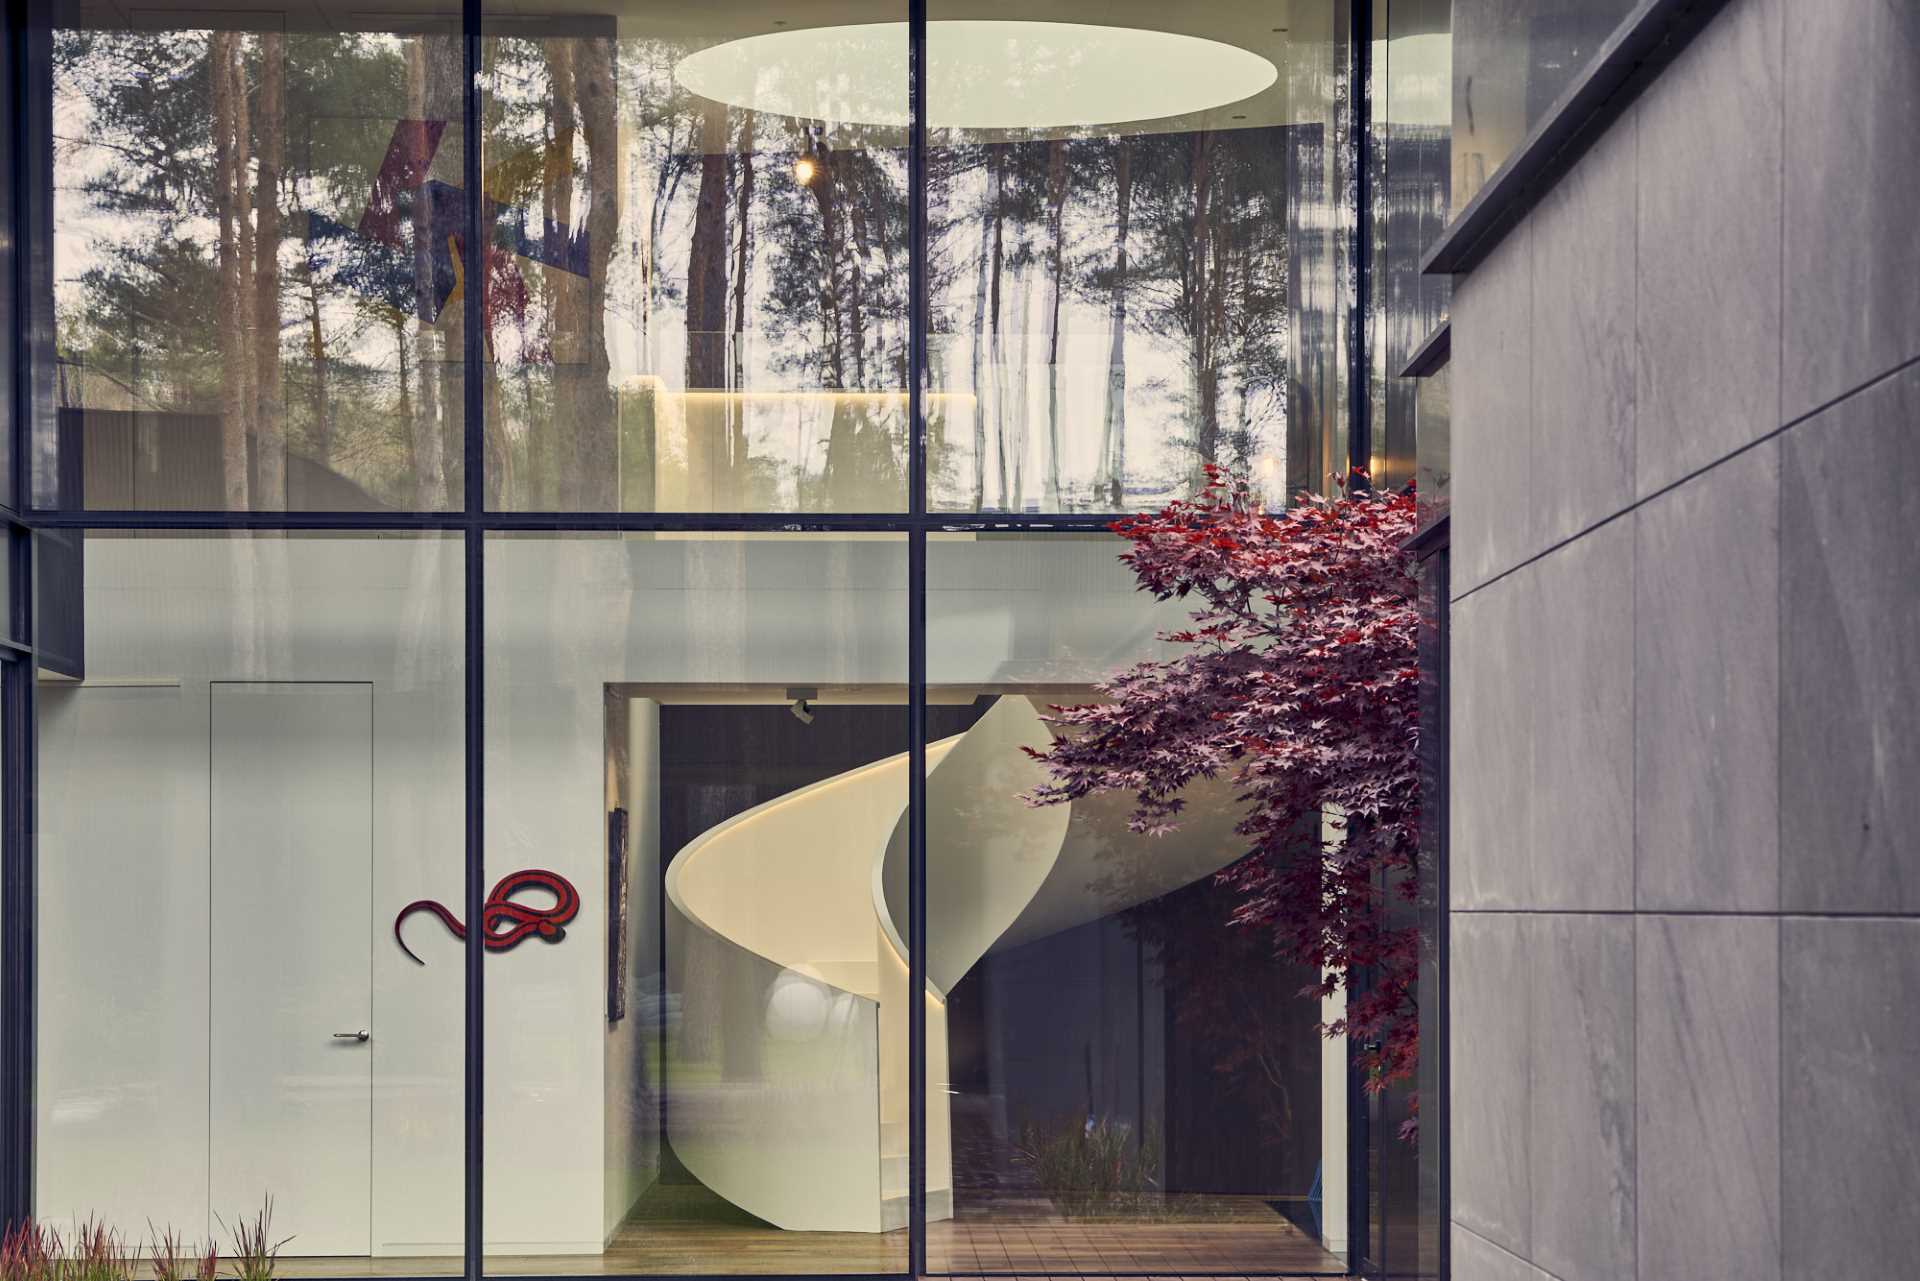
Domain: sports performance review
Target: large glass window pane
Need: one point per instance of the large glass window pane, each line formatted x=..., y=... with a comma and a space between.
x=1122, y=1079
x=1433, y=421
x=8, y=242
x=696, y=780
x=1137, y=252
x=697, y=266
x=1411, y=138
x=1512, y=61
x=242, y=806
x=257, y=221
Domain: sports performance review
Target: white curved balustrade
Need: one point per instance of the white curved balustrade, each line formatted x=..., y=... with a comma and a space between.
x=787, y=1072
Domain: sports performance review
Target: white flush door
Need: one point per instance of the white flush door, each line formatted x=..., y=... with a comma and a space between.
x=291, y=960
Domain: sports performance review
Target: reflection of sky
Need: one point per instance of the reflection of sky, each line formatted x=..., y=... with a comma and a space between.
x=645, y=340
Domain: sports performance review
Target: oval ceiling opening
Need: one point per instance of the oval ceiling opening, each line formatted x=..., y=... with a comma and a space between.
x=982, y=74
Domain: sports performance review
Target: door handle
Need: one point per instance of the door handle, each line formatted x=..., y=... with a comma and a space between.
x=361, y=1035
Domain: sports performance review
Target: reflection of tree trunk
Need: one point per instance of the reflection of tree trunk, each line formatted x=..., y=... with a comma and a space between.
x=233, y=422
x=668, y=173
x=582, y=96
x=707, y=323
x=1206, y=374
x=978, y=383
x=499, y=463
x=422, y=420
x=825, y=197
x=317, y=340
x=243, y=261
x=596, y=432
x=565, y=338
x=857, y=259
x=1110, y=480
x=544, y=463
x=743, y=259
x=1056, y=217
x=1219, y=285
x=403, y=346
x=997, y=351
x=1013, y=440
x=270, y=426
x=840, y=473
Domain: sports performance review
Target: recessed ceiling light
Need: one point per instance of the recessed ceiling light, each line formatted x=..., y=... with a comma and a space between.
x=981, y=74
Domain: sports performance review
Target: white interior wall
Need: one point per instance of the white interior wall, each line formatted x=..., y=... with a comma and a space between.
x=633, y=1116
x=124, y=791
x=124, y=977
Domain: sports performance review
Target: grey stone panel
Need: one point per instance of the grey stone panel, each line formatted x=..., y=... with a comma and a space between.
x=1583, y=343
x=1491, y=417
x=1579, y=635
x=1852, y=188
x=1849, y=1158
x=1707, y=1080
x=1850, y=654
x=1491, y=742
x=1581, y=1113
x=1709, y=247
x=1489, y=1039
x=1706, y=689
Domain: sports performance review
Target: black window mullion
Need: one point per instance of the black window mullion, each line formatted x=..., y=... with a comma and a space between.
x=19, y=496
x=473, y=437
x=917, y=320
x=17, y=871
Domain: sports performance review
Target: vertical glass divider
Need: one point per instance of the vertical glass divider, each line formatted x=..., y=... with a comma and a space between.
x=1359, y=367
x=20, y=79
x=917, y=321
x=475, y=943
x=917, y=902
x=1360, y=1132
x=473, y=436
x=473, y=297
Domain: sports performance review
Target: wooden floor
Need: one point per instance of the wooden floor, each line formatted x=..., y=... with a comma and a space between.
x=690, y=1231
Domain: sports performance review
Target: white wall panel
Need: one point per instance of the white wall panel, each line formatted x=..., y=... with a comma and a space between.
x=122, y=1056
x=124, y=795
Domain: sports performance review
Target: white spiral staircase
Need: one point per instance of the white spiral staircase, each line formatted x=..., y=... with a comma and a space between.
x=785, y=929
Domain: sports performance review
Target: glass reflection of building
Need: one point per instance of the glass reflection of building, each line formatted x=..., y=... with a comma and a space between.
x=461, y=445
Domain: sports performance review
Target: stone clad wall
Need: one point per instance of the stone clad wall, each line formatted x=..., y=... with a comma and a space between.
x=1685, y=820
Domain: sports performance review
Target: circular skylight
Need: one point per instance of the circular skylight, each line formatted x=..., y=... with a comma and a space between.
x=981, y=74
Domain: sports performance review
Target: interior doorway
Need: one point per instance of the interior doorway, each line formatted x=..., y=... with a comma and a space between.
x=290, y=952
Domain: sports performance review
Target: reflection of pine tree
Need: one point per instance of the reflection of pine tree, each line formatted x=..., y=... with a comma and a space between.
x=168, y=135
x=1109, y=478
x=709, y=454
x=835, y=245
x=582, y=102
x=268, y=411
x=1179, y=238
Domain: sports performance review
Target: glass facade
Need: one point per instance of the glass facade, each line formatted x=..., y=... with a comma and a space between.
x=257, y=304
x=262, y=762
x=1131, y=1083
x=553, y=535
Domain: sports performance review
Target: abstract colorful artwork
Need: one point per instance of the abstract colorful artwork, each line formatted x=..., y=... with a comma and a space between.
x=408, y=247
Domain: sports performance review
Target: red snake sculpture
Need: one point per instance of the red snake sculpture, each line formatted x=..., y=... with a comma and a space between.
x=523, y=922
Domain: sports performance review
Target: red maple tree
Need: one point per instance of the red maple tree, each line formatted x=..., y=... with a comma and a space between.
x=1297, y=681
